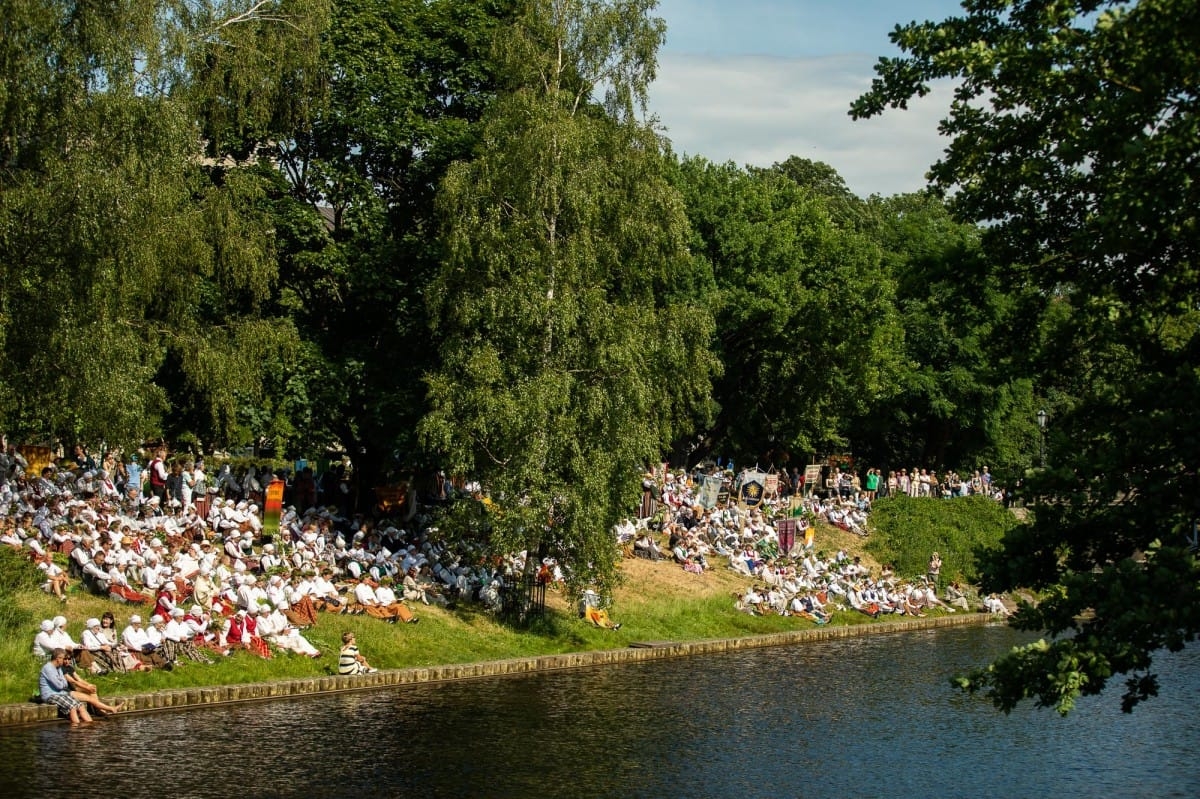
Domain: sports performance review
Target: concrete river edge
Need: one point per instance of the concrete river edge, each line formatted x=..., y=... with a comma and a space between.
x=27, y=713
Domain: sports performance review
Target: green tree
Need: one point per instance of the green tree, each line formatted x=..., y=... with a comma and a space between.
x=845, y=207
x=962, y=400
x=1074, y=138
x=407, y=81
x=134, y=273
x=570, y=357
x=808, y=334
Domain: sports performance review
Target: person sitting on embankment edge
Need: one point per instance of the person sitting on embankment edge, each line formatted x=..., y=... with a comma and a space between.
x=350, y=660
x=87, y=692
x=54, y=689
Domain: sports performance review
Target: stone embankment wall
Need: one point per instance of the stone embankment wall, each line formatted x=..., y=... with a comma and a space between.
x=29, y=713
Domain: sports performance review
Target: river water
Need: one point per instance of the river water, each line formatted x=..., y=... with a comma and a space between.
x=863, y=717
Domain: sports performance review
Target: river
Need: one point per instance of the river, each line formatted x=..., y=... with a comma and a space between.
x=861, y=717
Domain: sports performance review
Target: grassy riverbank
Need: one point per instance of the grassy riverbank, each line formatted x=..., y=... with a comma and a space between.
x=656, y=602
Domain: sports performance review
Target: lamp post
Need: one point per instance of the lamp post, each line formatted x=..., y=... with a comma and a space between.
x=1041, y=420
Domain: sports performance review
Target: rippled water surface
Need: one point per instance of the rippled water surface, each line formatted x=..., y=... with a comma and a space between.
x=866, y=717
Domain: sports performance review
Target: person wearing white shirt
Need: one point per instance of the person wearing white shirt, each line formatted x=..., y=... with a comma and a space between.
x=223, y=571
x=177, y=639
x=753, y=602
x=413, y=589
x=81, y=555
x=154, y=631
x=298, y=605
x=368, y=599
x=253, y=520
x=95, y=573
x=175, y=630
x=34, y=544
x=154, y=573
x=186, y=562
x=277, y=593
x=137, y=640
x=385, y=594
x=269, y=559
x=43, y=647
x=992, y=603
x=364, y=596
x=118, y=586
x=198, y=622
x=250, y=594
x=59, y=637
x=104, y=651
x=56, y=580
x=325, y=594
x=276, y=629
x=208, y=556
x=777, y=601
x=233, y=543
x=12, y=535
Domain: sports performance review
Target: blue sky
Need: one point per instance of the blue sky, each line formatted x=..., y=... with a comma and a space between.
x=756, y=81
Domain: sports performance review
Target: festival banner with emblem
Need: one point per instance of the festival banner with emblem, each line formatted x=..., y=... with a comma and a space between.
x=771, y=489
x=709, y=491
x=752, y=488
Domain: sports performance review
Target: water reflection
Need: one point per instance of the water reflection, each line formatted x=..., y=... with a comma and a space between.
x=865, y=717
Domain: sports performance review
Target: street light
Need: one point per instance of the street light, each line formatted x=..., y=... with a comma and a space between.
x=1041, y=419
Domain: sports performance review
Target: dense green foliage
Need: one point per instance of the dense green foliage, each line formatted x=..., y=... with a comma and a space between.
x=905, y=531
x=134, y=273
x=281, y=280
x=794, y=373
x=415, y=230
x=407, y=82
x=963, y=397
x=560, y=300
x=1075, y=132
x=16, y=576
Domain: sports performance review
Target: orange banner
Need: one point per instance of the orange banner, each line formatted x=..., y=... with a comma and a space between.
x=273, y=507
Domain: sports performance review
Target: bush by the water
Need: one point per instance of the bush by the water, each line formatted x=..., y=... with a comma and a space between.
x=906, y=530
x=17, y=574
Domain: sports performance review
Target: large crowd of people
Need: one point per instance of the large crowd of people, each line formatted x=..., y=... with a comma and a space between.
x=191, y=564
x=189, y=559
x=771, y=541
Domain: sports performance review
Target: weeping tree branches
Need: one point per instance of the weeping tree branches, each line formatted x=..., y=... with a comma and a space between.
x=129, y=261
x=568, y=363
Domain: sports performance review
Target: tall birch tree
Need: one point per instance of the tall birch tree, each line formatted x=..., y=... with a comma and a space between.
x=573, y=347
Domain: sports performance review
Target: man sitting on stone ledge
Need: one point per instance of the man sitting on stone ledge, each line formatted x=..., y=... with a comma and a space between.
x=54, y=689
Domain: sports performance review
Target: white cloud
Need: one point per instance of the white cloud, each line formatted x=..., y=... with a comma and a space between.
x=757, y=110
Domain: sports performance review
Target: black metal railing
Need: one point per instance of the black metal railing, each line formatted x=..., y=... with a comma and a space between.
x=522, y=601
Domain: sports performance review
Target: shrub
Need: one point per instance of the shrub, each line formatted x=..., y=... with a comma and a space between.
x=17, y=575
x=906, y=530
